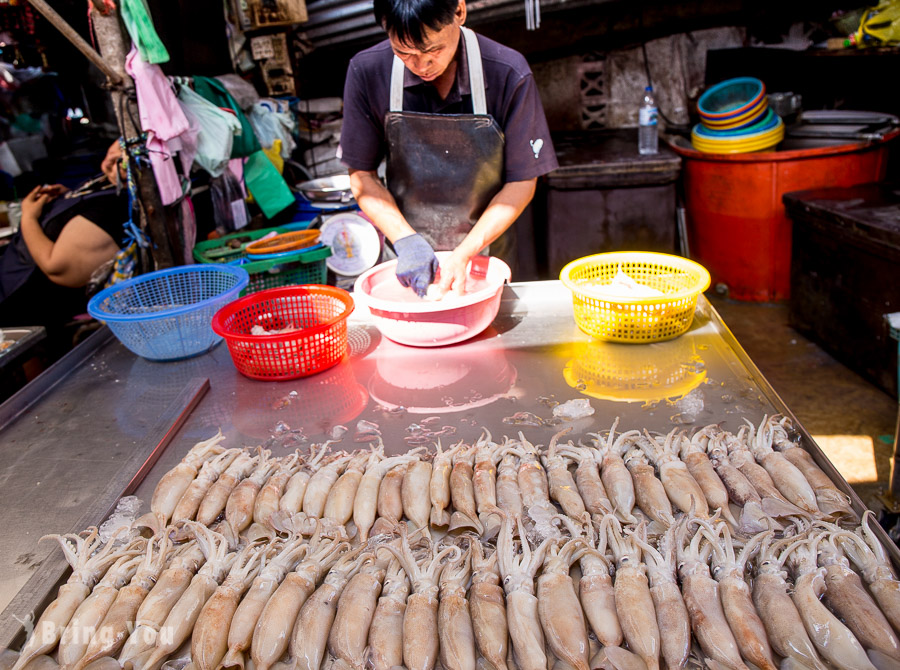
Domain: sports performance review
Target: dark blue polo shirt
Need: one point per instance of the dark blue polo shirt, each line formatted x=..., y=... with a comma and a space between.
x=512, y=99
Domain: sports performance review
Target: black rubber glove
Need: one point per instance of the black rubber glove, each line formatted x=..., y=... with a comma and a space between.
x=416, y=263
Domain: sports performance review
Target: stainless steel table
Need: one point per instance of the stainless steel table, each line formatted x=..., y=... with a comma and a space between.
x=90, y=428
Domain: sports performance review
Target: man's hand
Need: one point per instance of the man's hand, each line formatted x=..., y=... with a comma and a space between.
x=33, y=203
x=453, y=273
x=54, y=190
x=416, y=263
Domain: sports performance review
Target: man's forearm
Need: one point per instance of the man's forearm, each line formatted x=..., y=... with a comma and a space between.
x=500, y=214
x=379, y=205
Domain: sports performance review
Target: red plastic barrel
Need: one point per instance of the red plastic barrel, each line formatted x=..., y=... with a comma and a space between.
x=736, y=222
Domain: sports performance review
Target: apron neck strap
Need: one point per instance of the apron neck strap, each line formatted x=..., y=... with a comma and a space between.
x=476, y=76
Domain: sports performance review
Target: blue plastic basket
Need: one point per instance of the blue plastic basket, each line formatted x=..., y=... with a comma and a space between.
x=166, y=315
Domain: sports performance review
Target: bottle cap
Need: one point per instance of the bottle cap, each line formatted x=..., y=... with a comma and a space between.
x=648, y=88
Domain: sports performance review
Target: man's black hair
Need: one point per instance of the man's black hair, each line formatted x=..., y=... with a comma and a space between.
x=409, y=19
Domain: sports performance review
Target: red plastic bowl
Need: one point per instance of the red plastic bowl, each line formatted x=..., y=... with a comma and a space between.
x=423, y=323
x=314, y=318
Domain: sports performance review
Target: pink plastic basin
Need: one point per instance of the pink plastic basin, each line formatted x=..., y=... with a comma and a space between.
x=403, y=317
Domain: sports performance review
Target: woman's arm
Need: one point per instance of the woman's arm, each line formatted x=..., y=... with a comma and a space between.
x=82, y=246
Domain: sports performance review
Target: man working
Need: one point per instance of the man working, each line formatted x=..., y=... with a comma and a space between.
x=460, y=122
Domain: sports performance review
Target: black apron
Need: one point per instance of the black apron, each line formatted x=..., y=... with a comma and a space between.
x=444, y=169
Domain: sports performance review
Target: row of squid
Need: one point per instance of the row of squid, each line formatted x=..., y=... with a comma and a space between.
x=256, y=562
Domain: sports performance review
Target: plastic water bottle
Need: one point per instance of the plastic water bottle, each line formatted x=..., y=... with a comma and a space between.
x=648, y=137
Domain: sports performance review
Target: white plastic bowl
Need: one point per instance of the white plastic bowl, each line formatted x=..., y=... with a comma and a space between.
x=424, y=323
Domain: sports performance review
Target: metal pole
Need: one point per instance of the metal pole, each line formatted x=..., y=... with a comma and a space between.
x=60, y=24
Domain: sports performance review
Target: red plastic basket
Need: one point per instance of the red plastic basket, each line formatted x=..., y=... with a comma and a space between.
x=313, y=318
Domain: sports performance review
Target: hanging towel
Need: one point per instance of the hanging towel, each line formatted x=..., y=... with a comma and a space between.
x=139, y=25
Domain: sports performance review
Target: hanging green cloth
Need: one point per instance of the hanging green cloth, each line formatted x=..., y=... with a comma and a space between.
x=214, y=91
x=266, y=184
x=139, y=25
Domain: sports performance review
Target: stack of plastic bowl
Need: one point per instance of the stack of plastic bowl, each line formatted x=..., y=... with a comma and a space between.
x=735, y=118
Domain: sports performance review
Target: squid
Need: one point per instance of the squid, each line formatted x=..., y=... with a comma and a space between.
x=190, y=501
x=420, y=620
x=291, y=500
x=439, y=485
x=737, y=602
x=365, y=501
x=386, y=630
x=650, y=494
x=355, y=610
x=455, y=629
x=848, y=598
x=787, y=477
x=320, y=483
x=870, y=557
x=165, y=592
x=780, y=616
x=276, y=621
x=484, y=484
x=462, y=493
x=487, y=607
x=634, y=603
x=562, y=485
x=268, y=499
x=595, y=589
x=209, y=639
x=240, y=503
x=832, y=638
x=213, y=502
x=341, y=498
x=179, y=623
x=176, y=481
x=614, y=475
x=271, y=573
x=518, y=571
x=89, y=558
x=682, y=489
x=559, y=609
x=310, y=636
x=672, y=616
x=693, y=453
x=701, y=596
x=830, y=499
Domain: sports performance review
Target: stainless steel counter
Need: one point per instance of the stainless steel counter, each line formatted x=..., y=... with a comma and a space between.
x=110, y=414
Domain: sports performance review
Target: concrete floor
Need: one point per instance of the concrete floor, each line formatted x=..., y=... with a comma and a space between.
x=852, y=420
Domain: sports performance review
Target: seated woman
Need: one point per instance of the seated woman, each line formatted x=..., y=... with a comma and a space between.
x=64, y=237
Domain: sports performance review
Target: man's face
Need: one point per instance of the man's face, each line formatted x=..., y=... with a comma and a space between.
x=110, y=164
x=439, y=50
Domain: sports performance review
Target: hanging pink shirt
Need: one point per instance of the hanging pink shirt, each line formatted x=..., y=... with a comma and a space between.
x=167, y=128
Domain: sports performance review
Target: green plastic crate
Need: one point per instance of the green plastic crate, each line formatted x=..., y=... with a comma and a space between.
x=216, y=251
x=304, y=267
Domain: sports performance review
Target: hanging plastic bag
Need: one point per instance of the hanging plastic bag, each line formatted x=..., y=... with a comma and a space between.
x=229, y=210
x=216, y=130
x=880, y=25
x=267, y=186
x=270, y=126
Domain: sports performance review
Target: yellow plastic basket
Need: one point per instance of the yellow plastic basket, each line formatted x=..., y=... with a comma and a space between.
x=607, y=316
